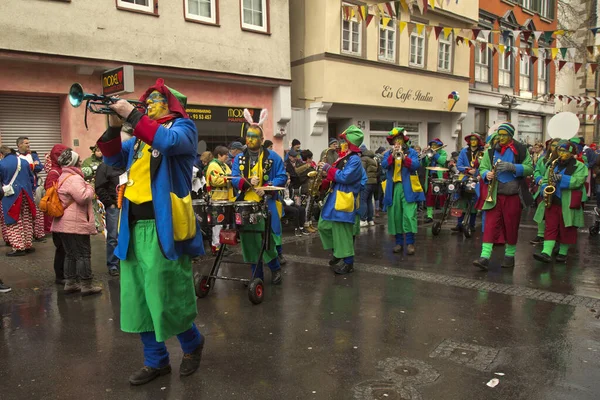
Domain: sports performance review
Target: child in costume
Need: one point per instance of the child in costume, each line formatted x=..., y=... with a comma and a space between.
x=403, y=191
x=565, y=214
x=338, y=221
x=218, y=187
x=507, y=163
x=158, y=232
x=252, y=169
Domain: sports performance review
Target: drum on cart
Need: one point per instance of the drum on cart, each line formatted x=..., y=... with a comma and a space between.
x=469, y=185
x=439, y=186
x=199, y=206
x=220, y=213
x=247, y=212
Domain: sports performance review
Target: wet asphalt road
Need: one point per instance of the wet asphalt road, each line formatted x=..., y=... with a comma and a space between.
x=429, y=326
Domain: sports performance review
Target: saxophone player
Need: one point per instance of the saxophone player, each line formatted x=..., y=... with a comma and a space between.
x=564, y=211
x=512, y=163
x=403, y=190
x=538, y=174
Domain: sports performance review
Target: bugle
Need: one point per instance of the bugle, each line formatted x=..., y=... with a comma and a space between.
x=96, y=103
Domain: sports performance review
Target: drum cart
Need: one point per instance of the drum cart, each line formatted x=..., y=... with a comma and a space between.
x=204, y=283
x=444, y=187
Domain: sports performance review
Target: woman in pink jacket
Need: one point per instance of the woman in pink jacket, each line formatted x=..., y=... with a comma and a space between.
x=76, y=225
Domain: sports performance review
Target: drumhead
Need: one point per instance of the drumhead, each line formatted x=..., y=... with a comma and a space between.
x=198, y=202
x=222, y=203
x=245, y=203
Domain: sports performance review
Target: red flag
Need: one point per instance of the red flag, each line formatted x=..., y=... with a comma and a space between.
x=390, y=9
x=533, y=59
x=561, y=64
x=526, y=35
x=547, y=61
x=369, y=19
x=577, y=66
x=590, y=49
x=437, y=30
x=475, y=33
x=594, y=66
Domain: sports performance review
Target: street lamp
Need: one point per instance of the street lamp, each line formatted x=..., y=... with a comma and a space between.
x=510, y=102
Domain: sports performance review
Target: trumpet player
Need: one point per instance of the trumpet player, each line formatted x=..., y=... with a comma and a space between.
x=403, y=190
x=436, y=156
x=564, y=192
x=538, y=174
x=339, y=214
x=503, y=166
x=158, y=234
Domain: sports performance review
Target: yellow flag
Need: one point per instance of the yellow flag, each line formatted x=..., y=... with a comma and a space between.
x=466, y=39
x=554, y=52
x=490, y=46
x=457, y=31
x=559, y=32
x=536, y=51
x=352, y=13
x=404, y=5
x=501, y=48
x=420, y=28
x=381, y=10
x=402, y=26
x=432, y=4
x=447, y=32
x=385, y=21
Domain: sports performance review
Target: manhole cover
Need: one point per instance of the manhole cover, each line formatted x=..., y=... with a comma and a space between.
x=464, y=353
x=384, y=390
x=467, y=354
x=406, y=370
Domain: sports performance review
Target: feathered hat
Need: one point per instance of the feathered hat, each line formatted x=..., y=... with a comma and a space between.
x=394, y=133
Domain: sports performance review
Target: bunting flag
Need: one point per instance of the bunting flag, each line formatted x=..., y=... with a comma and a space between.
x=533, y=60
x=432, y=4
x=475, y=33
x=548, y=36
x=437, y=30
x=547, y=61
x=577, y=66
x=402, y=26
x=428, y=29
x=526, y=35
x=536, y=35
x=420, y=28
x=594, y=66
x=385, y=21
x=563, y=52
x=447, y=32
x=561, y=64
x=554, y=52
x=369, y=19
x=421, y=5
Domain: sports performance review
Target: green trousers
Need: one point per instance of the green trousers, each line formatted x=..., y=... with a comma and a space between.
x=157, y=294
x=337, y=236
x=252, y=241
x=402, y=215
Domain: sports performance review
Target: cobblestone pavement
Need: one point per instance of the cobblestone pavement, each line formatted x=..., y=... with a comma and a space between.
x=429, y=326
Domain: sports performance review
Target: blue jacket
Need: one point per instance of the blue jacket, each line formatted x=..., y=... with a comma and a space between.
x=275, y=174
x=23, y=186
x=173, y=156
x=388, y=164
x=464, y=162
x=341, y=204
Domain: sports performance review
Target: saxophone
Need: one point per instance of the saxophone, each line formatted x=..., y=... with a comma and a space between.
x=551, y=188
x=317, y=179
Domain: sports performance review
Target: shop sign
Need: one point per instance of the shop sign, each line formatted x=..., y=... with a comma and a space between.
x=220, y=114
x=118, y=81
x=404, y=94
x=530, y=123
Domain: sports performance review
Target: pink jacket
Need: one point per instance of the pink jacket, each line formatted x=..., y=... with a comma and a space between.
x=76, y=196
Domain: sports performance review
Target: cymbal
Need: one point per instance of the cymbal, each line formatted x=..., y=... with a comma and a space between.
x=436, y=169
x=271, y=188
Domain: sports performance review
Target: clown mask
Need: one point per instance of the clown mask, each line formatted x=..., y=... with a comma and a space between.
x=344, y=146
x=399, y=141
x=473, y=142
x=564, y=154
x=504, y=138
x=158, y=105
x=253, y=139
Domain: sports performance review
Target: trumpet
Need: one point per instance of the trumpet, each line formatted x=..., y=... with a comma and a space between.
x=429, y=152
x=399, y=154
x=96, y=103
x=493, y=183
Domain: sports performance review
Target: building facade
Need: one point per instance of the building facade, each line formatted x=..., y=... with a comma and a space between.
x=579, y=16
x=393, y=72
x=224, y=55
x=507, y=87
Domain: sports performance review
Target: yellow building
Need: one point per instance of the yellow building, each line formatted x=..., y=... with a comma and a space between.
x=377, y=77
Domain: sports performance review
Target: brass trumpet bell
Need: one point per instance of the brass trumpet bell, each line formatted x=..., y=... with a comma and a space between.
x=312, y=174
x=76, y=95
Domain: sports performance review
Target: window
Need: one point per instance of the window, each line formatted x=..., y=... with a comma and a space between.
x=542, y=84
x=387, y=41
x=481, y=121
x=137, y=5
x=417, y=49
x=525, y=73
x=254, y=15
x=547, y=8
x=482, y=69
x=505, y=64
x=526, y=4
x=445, y=53
x=381, y=126
x=351, y=36
x=201, y=10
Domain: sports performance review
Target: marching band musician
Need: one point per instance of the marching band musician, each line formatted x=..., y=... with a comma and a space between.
x=468, y=164
x=218, y=187
x=337, y=223
x=403, y=190
x=254, y=168
x=505, y=164
x=538, y=175
x=564, y=213
x=158, y=233
x=438, y=159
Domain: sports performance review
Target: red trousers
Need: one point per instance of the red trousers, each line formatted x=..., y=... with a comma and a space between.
x=20, y=234
x=430, y=198
x=502, y=221
x=555, y=226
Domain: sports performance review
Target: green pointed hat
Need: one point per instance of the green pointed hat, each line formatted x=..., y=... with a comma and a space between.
x=354, y=136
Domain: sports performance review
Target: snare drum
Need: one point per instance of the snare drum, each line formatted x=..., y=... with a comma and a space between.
x=469, y=185
x=439, y=186
x=246, y=212
x=453, y=186
x=199, y=207
x=220, y=213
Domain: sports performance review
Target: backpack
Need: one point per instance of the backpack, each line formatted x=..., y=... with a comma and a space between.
x=50, y=204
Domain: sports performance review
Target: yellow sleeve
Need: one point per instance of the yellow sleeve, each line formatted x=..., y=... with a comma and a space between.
x=214, y=176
